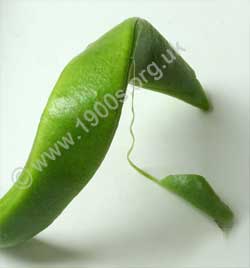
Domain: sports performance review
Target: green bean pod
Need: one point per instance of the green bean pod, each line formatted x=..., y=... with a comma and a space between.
x=72, y=140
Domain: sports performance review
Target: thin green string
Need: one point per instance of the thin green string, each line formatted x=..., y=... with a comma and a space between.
x=200, y=194
x=141, y=171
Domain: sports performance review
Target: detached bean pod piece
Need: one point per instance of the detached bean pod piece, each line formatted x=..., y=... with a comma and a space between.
x=105, y=67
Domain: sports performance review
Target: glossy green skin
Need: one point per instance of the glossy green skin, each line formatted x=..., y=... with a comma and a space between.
x=194, y=189
x=104, y=67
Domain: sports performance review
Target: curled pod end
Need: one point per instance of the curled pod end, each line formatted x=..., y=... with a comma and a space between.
x=196, y=190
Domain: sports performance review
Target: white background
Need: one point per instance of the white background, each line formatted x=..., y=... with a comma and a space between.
x=120, y=219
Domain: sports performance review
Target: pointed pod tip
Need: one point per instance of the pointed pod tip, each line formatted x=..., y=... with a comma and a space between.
x=196, y=190
x=205, y=105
